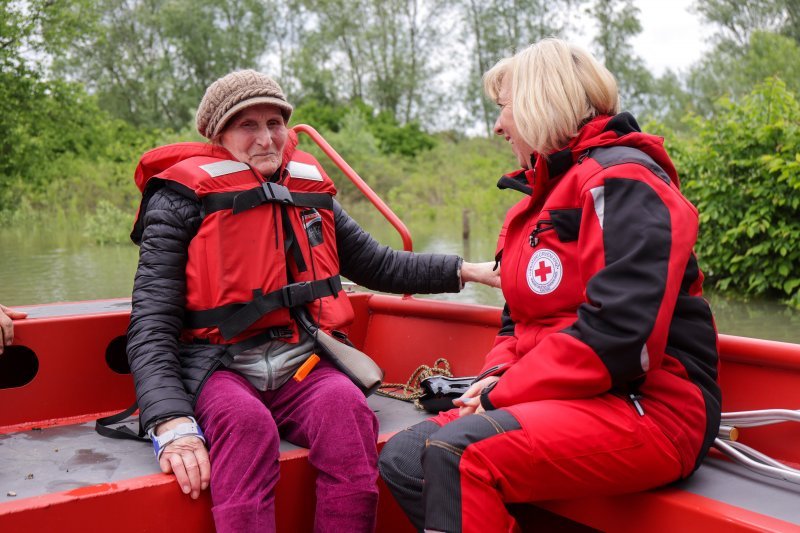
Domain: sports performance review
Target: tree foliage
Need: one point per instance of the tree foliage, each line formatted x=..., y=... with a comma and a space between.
x=734, y=71
x=87, y=85
x=149, y=61
x=500, y=28
x=47, y=124
x=743, y=173
x=390, y=136
x=617, y=22
x=456, y=176
x=738, y=20
x=376, y=51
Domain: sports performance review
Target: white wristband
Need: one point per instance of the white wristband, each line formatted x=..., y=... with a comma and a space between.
x=187, y=429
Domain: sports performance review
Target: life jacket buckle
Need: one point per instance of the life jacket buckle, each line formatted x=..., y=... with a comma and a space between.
x=296, y=294
x=277, y=193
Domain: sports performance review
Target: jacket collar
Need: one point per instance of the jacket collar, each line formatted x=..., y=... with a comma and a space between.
x=604, y=130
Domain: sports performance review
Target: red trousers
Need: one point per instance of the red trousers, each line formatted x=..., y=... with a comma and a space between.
x=457, y=474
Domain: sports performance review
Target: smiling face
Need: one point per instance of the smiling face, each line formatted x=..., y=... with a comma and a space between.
x=505, y=126
x=257, y=136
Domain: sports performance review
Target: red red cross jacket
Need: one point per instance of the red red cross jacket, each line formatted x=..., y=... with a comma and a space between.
x=603, y=288
x=263, y=246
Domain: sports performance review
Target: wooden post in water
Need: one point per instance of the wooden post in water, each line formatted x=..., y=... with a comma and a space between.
x=465, y=232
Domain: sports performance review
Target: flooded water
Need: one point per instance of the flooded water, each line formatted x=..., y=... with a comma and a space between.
x=44, y=265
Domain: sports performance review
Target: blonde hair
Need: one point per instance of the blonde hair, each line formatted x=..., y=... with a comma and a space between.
x=556, y=88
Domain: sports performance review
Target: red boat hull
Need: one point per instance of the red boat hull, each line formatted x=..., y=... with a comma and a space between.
x=76, y=382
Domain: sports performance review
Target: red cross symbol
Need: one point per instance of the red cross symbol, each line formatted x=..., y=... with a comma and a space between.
x=542, y=271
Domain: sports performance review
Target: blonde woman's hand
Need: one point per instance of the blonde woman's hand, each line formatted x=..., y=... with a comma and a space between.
x=470, y=401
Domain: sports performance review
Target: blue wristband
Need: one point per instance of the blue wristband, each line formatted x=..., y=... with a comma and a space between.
x=187, y=429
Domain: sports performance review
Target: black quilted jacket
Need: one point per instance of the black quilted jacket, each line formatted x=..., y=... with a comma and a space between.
x=168, y=374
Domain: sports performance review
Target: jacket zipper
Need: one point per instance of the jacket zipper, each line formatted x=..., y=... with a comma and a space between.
x=634, y=398
x=541, y=227
x=269, y=372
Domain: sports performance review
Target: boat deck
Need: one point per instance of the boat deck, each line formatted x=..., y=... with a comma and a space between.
x=41, y=462
x=63, y=458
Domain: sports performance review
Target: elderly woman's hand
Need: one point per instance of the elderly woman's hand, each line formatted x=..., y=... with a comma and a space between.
x=187, y=458
x=481, y=272
x=7, y=326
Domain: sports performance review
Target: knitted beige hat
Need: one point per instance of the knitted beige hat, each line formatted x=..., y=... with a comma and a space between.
x=234, y=92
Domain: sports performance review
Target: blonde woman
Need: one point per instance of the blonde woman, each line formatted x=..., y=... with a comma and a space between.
x=602, y=379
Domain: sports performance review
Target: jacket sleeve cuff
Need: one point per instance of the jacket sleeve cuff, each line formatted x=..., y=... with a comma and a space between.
x=496, y=370
x=458, y=273
x=486, y=403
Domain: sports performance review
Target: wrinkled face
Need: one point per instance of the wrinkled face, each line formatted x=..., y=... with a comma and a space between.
x=505, y=126
x=257, y=136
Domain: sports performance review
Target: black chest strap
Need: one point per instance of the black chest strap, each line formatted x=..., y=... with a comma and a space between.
x=267, y=192
x=232, y=319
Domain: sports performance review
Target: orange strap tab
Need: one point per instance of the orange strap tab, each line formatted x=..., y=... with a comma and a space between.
x=306, y=367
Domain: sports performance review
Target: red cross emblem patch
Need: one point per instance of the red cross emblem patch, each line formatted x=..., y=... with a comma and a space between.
x=544, y=272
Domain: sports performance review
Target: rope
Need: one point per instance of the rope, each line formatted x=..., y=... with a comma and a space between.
x=411, y=391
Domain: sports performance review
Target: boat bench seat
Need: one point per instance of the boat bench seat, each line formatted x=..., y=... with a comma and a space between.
x=68, y=457
x=74, y=458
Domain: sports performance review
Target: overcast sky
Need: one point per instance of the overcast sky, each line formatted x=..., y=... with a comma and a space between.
x=671, y=37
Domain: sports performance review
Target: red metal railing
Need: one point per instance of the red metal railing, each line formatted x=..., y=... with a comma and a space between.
x=393, y=219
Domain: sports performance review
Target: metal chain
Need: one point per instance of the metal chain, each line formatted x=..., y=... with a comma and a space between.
x=411, y=390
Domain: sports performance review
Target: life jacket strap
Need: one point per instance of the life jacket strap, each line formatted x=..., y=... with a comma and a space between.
x=233, y=319
x=267, y=192
x=103, y=426
x=258, y=339
x=290, y=243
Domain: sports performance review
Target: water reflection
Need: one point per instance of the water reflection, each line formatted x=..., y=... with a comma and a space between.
x=45, y=265
x=765, y=319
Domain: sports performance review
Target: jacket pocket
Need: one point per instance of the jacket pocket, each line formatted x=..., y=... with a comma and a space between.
x=566, y=223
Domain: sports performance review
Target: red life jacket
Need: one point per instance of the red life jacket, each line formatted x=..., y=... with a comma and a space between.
x=262, y=248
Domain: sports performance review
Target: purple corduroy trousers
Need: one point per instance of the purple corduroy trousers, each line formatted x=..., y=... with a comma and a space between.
x=325, y=413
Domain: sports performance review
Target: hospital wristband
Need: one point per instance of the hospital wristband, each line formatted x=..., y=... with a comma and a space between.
x=187, y=429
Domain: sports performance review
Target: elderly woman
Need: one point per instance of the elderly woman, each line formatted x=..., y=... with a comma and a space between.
x=238, y=239
x=602, y=379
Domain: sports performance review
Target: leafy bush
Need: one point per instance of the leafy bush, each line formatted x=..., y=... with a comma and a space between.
x=109, y=224
x=455, y=176
x=743, y=171
x=391, y=137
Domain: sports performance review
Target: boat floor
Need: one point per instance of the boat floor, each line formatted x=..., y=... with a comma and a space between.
x=44, y=461
x=54, y=459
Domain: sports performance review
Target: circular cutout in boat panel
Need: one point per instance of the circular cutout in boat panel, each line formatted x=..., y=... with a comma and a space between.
x=117, y=356
x=18, y=366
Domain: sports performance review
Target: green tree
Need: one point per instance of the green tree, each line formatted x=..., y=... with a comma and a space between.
x=742, y=171
x=499, y=28
x=149, y=61
x=668, y=101
x=376, y=51
x=617, y=23
x=736, y=20
x=44, y=123
x=733, y=71
x=389, y=135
